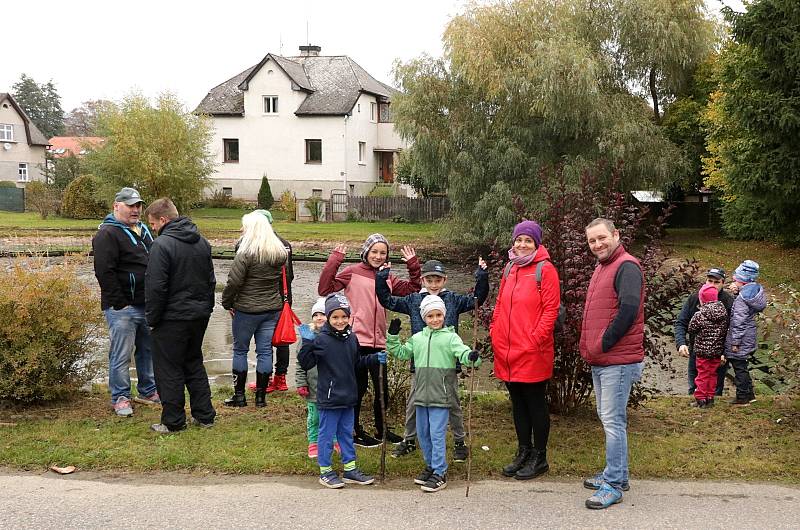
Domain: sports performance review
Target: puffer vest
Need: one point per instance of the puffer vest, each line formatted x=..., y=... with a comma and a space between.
x=602, y=305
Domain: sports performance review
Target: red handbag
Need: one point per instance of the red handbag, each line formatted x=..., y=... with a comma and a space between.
x=285, y=333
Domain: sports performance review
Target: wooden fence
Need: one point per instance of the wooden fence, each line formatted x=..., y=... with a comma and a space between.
x=384, y=208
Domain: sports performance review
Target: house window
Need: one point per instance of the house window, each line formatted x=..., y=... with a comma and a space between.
x=362, y=152
x=23, y=173
x=6, y=132
x=373, y=112
x=231, y=149
x=228, y=192
x=270, y=104
x=316, y=192
x=313, y=151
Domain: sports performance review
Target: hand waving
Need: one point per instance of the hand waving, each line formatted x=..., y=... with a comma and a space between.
x=408, y=253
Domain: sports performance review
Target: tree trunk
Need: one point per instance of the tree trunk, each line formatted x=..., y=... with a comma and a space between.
x=654, y=95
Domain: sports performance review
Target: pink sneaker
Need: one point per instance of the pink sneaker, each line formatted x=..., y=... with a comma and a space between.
x=312, y=450
x=122, y=406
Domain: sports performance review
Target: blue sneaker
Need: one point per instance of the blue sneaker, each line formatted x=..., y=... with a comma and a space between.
x=604, y=497
x=331, y=480
x=594, y=483
x=355, y=476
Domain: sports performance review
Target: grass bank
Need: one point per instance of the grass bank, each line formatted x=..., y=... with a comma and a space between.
x=224, y=223
x=668, y=440
x=778, y=264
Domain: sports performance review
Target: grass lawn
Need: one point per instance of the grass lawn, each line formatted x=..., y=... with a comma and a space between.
x=225, y=223
x=668, y=440
x=778, y=264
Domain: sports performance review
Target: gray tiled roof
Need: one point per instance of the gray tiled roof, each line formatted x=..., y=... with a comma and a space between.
x=333, y=84
x=33, y=135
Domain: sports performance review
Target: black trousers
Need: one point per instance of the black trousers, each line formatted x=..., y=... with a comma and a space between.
x=178, y=362
x=741, y=376
x=531, y=413
x=363, y=375
x=281, y=360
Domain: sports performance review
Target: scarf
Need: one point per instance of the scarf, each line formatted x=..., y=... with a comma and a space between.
x=341, y=335
x=520, y=261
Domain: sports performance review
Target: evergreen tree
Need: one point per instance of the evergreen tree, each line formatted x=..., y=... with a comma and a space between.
x=41, y=103
x=265, y=198
x=754, y=140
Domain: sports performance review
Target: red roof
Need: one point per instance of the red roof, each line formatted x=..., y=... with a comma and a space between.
x=62, y=146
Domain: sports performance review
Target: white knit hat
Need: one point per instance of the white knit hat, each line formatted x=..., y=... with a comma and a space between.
x=318, y=307
x=431, y=302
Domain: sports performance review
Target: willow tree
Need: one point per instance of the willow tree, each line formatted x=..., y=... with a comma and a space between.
x=522, y=85
x=160, y=149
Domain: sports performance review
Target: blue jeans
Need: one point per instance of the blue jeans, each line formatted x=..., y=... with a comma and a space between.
x=612, y=386
x=431, y=430
x=336, y=424
x=129, y=334
x=249, y=325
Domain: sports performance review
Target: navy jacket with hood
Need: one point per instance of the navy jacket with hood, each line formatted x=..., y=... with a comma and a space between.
x=120, y=261
x=336, y=360
x=180, y=275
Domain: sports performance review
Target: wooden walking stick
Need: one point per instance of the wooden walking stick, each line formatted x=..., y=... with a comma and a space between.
x=381, y=390
x=473, y=377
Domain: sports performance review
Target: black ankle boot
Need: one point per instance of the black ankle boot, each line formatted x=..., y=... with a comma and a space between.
x=535, y=466
x=262, y=382
x=237, y=399
x=523, y=454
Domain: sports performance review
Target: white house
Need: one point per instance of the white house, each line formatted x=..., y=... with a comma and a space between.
x=311, y=123
x=22, y=145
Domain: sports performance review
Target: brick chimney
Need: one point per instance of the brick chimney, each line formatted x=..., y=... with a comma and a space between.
x=310, y=51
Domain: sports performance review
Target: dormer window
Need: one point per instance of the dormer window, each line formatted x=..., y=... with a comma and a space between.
x=270, y=104
x=6, y=132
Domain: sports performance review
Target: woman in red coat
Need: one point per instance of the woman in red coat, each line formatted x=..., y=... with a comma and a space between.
x=522, y=339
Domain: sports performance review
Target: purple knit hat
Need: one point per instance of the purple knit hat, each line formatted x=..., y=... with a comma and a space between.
x=528, y=228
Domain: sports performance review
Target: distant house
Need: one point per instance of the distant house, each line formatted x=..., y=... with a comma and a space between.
x=64, y=146
x=311, y=123
x=22, y=145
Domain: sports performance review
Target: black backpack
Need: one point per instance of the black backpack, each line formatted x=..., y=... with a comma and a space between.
x=562, y=311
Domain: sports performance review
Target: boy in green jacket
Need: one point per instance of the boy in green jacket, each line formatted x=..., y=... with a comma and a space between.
x=435, y=350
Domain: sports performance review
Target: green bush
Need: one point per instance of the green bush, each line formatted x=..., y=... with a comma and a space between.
x=7, y=184
x=87, y=197
x=220, y=199
x=49, y=322
x=265, y=198
x=39, y=197
x=287, y=202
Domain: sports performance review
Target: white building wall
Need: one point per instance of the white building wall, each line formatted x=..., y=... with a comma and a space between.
x=19, y=150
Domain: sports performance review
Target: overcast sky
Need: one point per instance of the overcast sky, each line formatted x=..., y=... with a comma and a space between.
x=94, y=49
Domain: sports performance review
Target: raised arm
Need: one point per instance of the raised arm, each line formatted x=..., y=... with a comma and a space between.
x=329, y=280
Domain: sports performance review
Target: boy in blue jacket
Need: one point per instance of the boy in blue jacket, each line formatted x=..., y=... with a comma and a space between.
x=334, y=351
x=434, y=278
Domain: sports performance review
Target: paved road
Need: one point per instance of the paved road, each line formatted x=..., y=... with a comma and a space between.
x=86, y=500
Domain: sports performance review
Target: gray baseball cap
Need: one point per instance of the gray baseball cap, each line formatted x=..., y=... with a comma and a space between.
x=129, y=196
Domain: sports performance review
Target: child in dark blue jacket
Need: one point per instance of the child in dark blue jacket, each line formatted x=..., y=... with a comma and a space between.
x=434, y=278
x=334, y=351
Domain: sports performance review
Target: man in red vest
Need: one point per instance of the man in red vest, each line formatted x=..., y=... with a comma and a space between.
x=612, y=342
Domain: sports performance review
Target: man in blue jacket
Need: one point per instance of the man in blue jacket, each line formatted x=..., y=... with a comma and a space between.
x=121, y=248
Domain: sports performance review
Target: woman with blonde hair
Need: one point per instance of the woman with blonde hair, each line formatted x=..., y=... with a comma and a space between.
x=253, y=295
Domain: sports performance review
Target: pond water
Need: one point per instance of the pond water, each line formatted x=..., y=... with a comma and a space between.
x=217, y=345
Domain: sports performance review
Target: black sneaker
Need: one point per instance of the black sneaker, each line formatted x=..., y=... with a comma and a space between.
x=362, y=439
x=460, y=452
x=435, y=483
x=406, y=447
x=392, y=438
x=741, y=401
x=424, y=476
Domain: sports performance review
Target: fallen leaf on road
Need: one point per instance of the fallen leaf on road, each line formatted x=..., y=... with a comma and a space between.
x=63, y=470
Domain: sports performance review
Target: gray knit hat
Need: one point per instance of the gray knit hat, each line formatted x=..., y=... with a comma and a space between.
x=431, y=302
x=370, y=242
x=336, y=301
